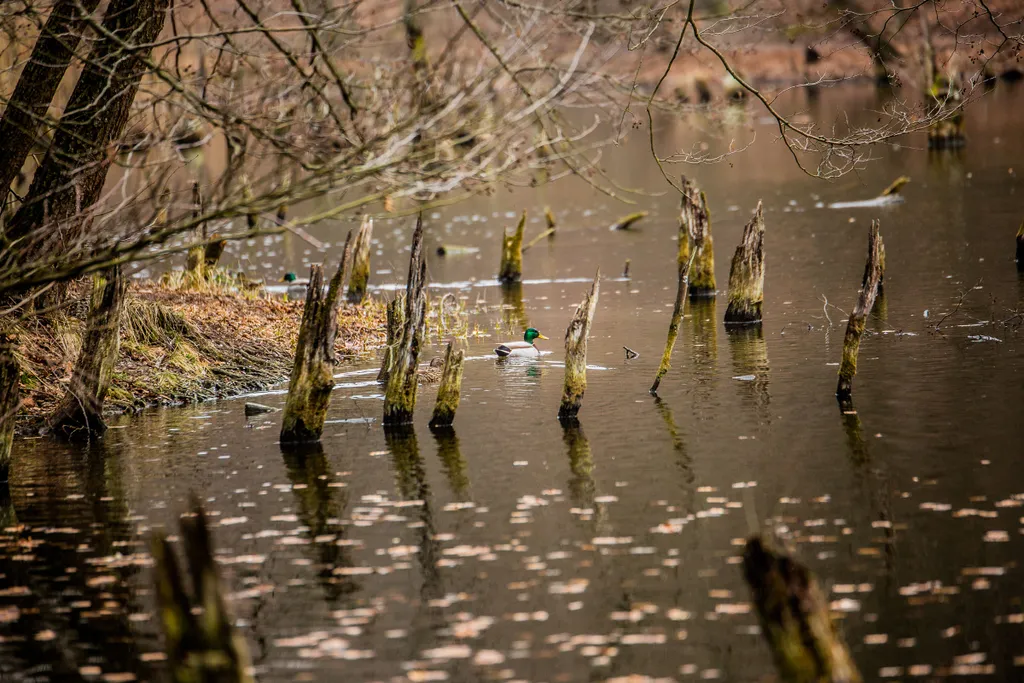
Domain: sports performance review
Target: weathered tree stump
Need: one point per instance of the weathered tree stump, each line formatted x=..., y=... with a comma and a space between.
x=576, y=353
x=201, y=640
x=746, y=277
x=400, y=396
x=10, y=375
x=627, y=221
x=865, y=302
x=1020, y=248
x=895, y=187
x=511, y=268
x=450, y=390
x=794, y=617
x=684, y=262
x=695, y=221
x=357, y=284
x=213, y=251
x=395, y=323
x=946, y=106
x=80, y=412
x=312, y=376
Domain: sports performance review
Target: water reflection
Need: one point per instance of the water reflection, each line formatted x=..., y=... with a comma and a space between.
x=513, y=313
x=684, y=462
x=703, y=323
x=452, y=462
x=750, y=367
x=68, y=565
x=581, y=485
x=321, y=505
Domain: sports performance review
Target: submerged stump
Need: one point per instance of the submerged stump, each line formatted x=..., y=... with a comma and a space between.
x=395, y=322
x=10, y=375
x=400, y=396
x=1020, y=248
x=450, y=390
x=357, y=284
x=201, y=640
x=627, y=221
x=576, y=353
x=80, y=412
x=695, y=222
x=865, y=302
x=746, y=277
x=795, y=620
x=684, y=262
x=312, y=376
x=511, y=267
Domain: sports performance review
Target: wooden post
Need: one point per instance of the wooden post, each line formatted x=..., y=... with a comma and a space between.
x=684, y=261
x=312, y=376
x=1020, y=248
x=80, y=412
x=855, y=326
x=400, y=397
x=197, y=254
x=511, y=267
x=626, y=222
x=361, y=263
x=794, y=617
x=10, y=376
x=449, y=392
x=746, y=277
x=202, y=643
x=213, y=251
x=576, y=353
x=695, y=221
x=396, y=320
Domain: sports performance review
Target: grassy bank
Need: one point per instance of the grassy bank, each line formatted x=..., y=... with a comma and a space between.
x=181, y=347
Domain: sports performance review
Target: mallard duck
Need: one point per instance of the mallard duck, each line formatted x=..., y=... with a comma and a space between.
x=431, y=373
x=521, y=348
x=296, y=287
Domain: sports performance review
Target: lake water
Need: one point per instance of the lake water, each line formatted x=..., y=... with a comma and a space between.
x=514, y=549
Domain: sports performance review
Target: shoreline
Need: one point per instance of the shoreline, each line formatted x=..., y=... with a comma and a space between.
x=180, y=347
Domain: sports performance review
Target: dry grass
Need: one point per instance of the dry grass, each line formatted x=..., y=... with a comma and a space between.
x=183, y=346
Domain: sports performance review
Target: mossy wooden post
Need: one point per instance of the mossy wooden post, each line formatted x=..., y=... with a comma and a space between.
x=684, y=262
x=201, y=640
x=450, y=390
x=10, y=375
x=549, y=218
x=196, y=258
x=855, y=326
x=746, y=277
x=795, y=620
x=360, y=263
x=695, y=221
x=395, y=322
x=400, y=396
x=511, y=268
x=1020, y=248
x=312, y=376
x=80, y=412
x=576, y=353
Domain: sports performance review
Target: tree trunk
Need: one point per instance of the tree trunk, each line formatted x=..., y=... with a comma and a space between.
x=400, y=397
x=10, y=375
x=72, y=174
x=396, y=321
x=746, y=277
x=1020, y=248
x=26, y=110
x=449, y=392
x=80, y=412
x=511, y=268
x=312, y=378
x=855, y=326
x=795, y=620
x=576, y=353
x=361, y=263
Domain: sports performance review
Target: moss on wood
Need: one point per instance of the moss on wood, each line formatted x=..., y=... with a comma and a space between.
x=511, y=267
x=450, y=390
x=575, y=383
x=357, y=284
x=865, y=302
x=10, y=373
x=627, y=221
x=400, y=395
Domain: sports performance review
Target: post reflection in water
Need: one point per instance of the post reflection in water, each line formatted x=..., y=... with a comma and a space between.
x=68, y=564
x=582, y=488
x=684, y=462
x=320, y=507
x=703, y=323
x=750, y=365
x=513, y=313
x=452, y=462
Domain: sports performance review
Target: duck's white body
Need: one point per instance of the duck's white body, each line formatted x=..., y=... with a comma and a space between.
x=516, y=348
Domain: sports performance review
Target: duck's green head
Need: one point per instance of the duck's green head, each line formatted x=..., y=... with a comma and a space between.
x=531, y=334
x=289, y=277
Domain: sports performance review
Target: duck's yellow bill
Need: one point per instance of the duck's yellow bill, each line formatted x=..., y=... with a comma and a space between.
x=541, y=336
